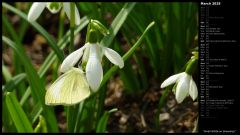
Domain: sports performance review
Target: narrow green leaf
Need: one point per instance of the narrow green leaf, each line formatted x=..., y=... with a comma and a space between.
x=25, y=96
x=12, y=84
x=30, y=71
x=62, y=44
x=17, y=65
x=112, y=70
x=39, y=28
x=102, y=124
x=150, y=48
x=8, y=125
x=18, y=115
x=51, y=58
x=35, y=82
x=107, y=40
x=128, y=76
x=87, y=119
x=41, y=126
x=79, y=114
x=36, y=111
x=6, y=74
x=117, y=23
x=160, y=105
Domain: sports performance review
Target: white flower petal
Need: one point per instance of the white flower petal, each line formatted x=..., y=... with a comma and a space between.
x=182, y=87
x=86, y=54
x=193, y=91
x=35, y=10
x=94, y=71
x=72, y=59
x=113, y=56
x=171, y=80
x=66, y=8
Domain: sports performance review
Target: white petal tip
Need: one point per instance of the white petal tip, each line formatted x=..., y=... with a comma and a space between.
x=66, y=8
x=193, y=91
x=171, y=80
x=179, y=101
x=35, y=10
x=114, y=57
x=121, y=66
x=72, y=59
x=162, y=85
x=94, y=88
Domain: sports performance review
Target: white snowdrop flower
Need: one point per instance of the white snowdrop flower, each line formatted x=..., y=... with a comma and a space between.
x=185, y=86
x=94, y=71
x=54, y=7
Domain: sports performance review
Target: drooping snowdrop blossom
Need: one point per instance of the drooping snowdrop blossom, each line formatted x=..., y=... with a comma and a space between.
x=54, y=7
x=92, y=53
x=185, y=86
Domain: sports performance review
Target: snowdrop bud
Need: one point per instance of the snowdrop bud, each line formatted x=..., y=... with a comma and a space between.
x=95, y=24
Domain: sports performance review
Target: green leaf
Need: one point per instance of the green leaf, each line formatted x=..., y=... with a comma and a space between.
x=18, y=115
x=8, y=125
x=41, y=126
x=52, y=57
x=161, y=103
x=6, y=74
x=102, y=124
x=107, y=40
x=62, y=44
x=33, y=78
x=87, y=120
x=117, y=23
x=39, y=28
x=12, y=84
x=36, y=111
x=112, y=70
x=35, y=82
x=48, y=62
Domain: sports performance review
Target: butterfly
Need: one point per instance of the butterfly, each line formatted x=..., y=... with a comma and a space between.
x=69, y=89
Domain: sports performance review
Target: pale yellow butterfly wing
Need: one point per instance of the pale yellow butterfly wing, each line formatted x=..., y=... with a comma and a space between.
x=70, y=88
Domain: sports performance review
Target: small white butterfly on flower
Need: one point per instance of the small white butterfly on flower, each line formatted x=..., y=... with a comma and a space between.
x=69, y=89
x=94, y=71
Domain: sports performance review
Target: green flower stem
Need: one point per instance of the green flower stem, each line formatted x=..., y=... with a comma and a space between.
x=71, y=109
x=72, y=25
x=191, y=67
x=112, y=70
x=88, y=29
